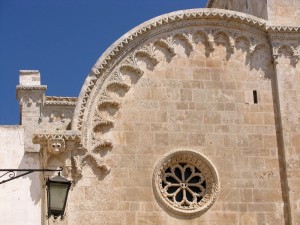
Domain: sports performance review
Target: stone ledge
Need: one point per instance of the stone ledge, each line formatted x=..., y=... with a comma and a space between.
x=66, y=135
x=32, y=87
x=54, y=100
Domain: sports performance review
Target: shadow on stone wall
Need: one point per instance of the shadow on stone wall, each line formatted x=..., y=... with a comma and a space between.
x=32, y=161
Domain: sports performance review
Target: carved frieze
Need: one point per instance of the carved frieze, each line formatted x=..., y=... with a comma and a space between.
x=31, y=96
x=285, y=45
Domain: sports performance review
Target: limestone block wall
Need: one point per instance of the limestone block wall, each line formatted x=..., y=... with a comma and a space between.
x=20, y=198
x=198, y=97
x=288, y=94
x=253, y=7
x=217, y=83
x=278, y=12
x=284, y=12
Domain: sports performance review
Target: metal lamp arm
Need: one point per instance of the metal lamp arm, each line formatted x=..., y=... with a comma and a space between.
x=11, y=173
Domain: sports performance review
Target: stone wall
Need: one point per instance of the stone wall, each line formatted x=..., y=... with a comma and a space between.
x=285, y=12
x=199, y=97
x=210, y=92
x=278, y=12
x=39, y=112
x=20, y=198
x=287, y=74
x=253, y=7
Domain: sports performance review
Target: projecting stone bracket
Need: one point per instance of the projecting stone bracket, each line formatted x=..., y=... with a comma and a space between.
x=63, y=148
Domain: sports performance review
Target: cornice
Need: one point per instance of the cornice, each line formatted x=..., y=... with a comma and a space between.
x=286, y=29
x=34, y=87
x=54, y=100
x=66, y=135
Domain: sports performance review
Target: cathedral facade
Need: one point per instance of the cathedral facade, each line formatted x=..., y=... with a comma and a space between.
x=192, y=117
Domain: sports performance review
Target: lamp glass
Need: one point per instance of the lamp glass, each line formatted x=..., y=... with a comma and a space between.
x=58, y=194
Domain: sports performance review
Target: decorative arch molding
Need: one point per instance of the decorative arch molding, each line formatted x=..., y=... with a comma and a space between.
x=119, y=65
x=290, y=50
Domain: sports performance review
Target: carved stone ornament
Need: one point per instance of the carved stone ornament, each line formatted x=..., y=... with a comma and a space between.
x=186, y=183
x=288, y=48
x=66, y=150
x=189, y=27
x=56, y=145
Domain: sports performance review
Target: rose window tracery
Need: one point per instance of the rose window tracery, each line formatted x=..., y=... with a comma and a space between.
x=186, y=182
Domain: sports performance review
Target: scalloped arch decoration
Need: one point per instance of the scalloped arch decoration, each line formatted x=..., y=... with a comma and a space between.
x=121, y=66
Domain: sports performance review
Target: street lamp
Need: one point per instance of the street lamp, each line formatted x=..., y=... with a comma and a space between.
x=57, y=188
x=57, y=194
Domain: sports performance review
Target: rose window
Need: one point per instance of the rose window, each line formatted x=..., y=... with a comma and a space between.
x=186, y=182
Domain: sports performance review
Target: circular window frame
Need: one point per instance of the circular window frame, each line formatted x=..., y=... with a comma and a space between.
x=198, y=161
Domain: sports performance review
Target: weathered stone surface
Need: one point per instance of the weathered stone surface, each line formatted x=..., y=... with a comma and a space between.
x=222, y=84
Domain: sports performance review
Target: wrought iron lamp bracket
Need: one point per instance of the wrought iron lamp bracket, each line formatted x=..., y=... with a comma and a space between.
x=12, y=173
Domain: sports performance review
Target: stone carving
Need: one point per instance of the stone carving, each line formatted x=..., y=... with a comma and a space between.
x=120, y=66
x=282, y=28
x=185, y=182
x=131, y=64
x=290, y=49
x=66, y=148
x=30, y=101
x=56, y=118
x=41, y=137
x=56, y=145
x=80, y=161
x=34, y=98
x=124, y=76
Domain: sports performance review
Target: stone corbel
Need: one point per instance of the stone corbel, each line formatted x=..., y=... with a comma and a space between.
x=65, y=147
x=58, y=146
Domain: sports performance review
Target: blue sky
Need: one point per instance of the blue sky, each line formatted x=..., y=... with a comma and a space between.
x=63, y=39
